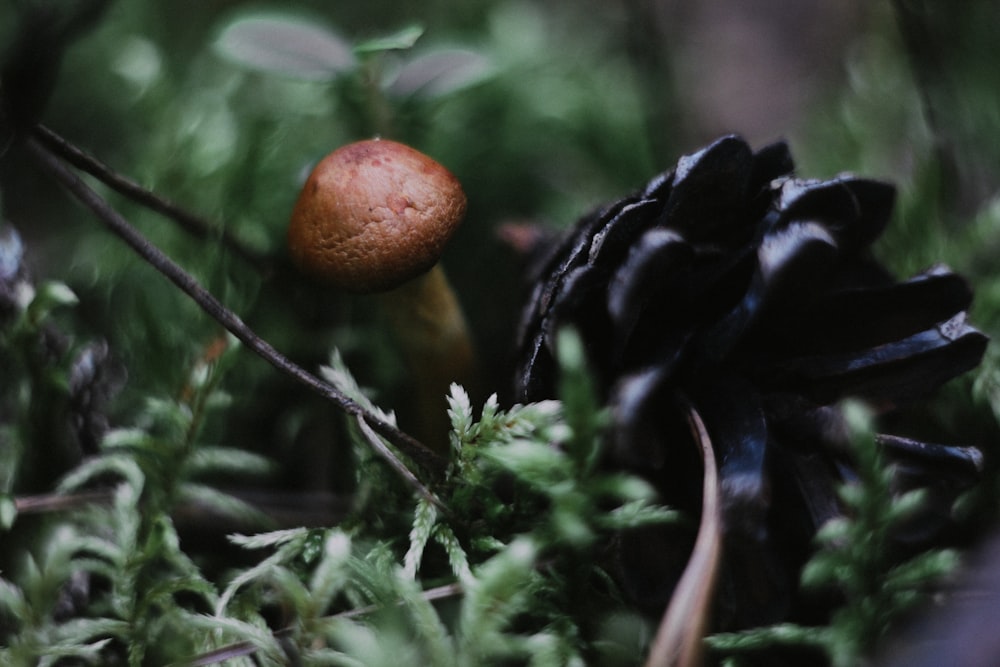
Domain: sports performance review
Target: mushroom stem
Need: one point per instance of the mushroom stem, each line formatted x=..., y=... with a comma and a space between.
x=434, y=340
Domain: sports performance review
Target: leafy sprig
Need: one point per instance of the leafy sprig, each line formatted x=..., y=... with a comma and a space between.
x=856, y=559
x=508, y=563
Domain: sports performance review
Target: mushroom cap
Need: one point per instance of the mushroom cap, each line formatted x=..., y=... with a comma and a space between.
x=374, y=214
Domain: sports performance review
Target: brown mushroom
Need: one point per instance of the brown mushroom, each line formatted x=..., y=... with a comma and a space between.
x=374, y=216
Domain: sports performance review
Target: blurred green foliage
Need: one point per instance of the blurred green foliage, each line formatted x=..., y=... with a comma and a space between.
x=542, y=109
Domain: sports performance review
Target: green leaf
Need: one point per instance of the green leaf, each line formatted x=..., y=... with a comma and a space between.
x=922, y=570
x=550, y=649
x=424, y=518
x=100, y=547
x=636, y=514
x=287, y=589
x=8, y=511
x=787, y=634
x=206, y=498
x=48, y=297
x=291, y=543
x=524, y=419
x=208, y=459
x=384, y=645
x=374, y=578
x=430, y=629
x=460, y=411
x=859, y=418
x=285, y=45
x=570, y=526
x=404, y=38
x=457, y=557
x=499, y=591
x=54, y=653
x=621, y=487
x=167, y=414
x=582, y=410
x=538, y=464
x=125, y=437
x=119, y=465
x=340, y=377
x=907, y=505
x=262, y=639
x=12, y=599
x=326, y=657
x=487, y=544
x=96, y=566
x=833, y=531
x=331, y=574
x=491, y=409
x=853, y=494
x=81, y=630
x=271, y=539
x=821, y=570
x=58, y=294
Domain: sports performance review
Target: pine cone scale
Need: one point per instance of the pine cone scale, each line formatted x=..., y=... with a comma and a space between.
x=731, y=285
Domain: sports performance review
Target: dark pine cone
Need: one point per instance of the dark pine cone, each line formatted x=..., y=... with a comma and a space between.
x=731, y=286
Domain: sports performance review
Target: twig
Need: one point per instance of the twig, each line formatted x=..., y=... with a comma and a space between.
x=53, y=166
x=192, y=224
x=375, y=442
x=57, y=502
x=246, y=648
x=282, y=509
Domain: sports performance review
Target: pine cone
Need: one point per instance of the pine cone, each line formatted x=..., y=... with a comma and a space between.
x=732, y=286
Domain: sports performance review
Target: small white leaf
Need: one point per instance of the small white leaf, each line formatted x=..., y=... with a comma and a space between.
x=424, y=519
x=262, y=540
x=285, y=45
x=400, y=40
x=441, y=72
x=460, y=410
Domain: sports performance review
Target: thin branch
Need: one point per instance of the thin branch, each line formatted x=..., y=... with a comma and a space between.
x=282, y=509
x=113, y=220
x=192, y=224
x=228, y=652
x=383, y=450
x=58, y=502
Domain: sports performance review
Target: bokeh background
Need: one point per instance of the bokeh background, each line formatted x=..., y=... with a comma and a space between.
x=542, y=109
